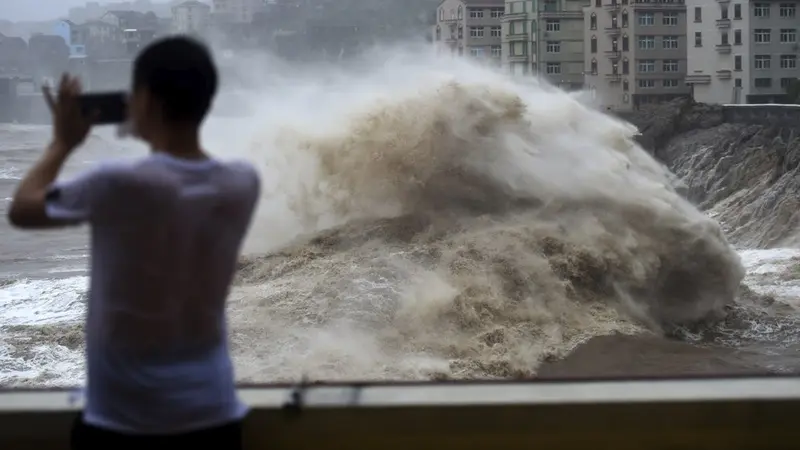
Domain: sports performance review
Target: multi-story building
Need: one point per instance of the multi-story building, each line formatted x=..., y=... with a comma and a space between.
x=545, y=38
x=636, y=51
x=470, y=27
x=191, y=17
x=237, y=11
x=742, y=51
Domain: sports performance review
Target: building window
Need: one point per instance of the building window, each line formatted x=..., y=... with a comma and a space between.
x=737, y=11
x=626, y=66
x=593, y=44
x=476, y=32
x=624, y=19
x=669, y=42
x=460, y=32
x=496, y=13
x=593, y=21
x=761, y=10
x=460, y=13
x=737, y=82
x=598, y=3
x=669, y=83
x=762, y=36
x=626, y=87
x=737, y=37
x=646, y=65
x=441, y=14
x=763, y=62
x=517, y=27
x=614, y=23
x=496, y=32
x=647, y=84
x=762, y=82
x=724, y=38
x=647, y=42
x=670, y=65
x=594, y=67
x=553, y=47
x=698, y=39
x=788, y=10
x=670, y=19
x=475, y=13
x=788, y=61
x=698, y=14
x=497, y=51
x=788, y=36
x=553, y=68
x=737, y=62
x=786, y=82
x=476, y=51
x=647, y=19
x=626, y=43
x=552, y=25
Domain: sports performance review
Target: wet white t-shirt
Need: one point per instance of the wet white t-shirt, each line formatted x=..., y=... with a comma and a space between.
x=165, y=237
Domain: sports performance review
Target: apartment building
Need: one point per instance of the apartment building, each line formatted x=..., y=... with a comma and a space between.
x=191, y=17
x=237, y=11
x=545, y=38
x=470, y=27
x=742, y=51
x=636, y=51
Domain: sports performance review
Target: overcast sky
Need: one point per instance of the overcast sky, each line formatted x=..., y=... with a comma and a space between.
x=36, y=9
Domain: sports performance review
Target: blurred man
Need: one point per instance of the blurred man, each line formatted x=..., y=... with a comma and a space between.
x=166, y=231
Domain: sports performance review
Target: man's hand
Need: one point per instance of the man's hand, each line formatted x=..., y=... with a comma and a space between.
x=70, y=127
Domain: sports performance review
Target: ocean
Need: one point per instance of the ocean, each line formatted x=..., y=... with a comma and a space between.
x=427, y=219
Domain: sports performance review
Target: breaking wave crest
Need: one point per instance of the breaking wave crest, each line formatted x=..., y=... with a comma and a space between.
x=461, y=224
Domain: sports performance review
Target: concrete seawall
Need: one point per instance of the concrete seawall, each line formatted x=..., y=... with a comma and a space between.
x=770, y=115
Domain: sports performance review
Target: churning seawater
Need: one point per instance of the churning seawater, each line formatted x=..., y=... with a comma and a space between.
x=425, y=218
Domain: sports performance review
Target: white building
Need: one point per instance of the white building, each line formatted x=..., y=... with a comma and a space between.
x=190, y=17
x=742, y=51
x=237, y=11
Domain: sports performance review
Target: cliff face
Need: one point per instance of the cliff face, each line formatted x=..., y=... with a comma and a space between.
x=746, y=176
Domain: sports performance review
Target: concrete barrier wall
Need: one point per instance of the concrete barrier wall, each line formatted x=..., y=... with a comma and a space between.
x=776, y=115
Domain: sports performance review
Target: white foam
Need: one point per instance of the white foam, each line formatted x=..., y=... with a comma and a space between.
x=43, y=302
x=774, y=272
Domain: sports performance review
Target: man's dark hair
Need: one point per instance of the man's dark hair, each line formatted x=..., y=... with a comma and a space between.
x=179, y=72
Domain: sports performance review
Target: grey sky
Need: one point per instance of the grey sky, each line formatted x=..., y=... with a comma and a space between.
x=36, y=9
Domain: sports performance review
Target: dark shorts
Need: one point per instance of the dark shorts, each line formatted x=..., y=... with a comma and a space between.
x=89, y=437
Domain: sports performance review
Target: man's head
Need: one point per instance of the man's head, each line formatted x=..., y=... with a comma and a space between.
x=174, y=83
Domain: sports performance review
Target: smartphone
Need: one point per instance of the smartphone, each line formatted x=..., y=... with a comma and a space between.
x=105, y=107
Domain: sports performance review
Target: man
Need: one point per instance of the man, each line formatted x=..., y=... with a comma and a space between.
x=166, y=231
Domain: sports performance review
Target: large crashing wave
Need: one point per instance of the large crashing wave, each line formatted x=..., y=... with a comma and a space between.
x=468, y=227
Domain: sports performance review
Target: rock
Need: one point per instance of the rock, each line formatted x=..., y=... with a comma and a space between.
x=746, y=176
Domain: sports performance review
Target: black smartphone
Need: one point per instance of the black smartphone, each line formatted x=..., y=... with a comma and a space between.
x=105, y=107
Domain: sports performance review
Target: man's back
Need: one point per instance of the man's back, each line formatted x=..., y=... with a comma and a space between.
x=166, y=233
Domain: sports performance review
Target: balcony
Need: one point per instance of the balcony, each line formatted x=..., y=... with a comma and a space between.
x=660, y=5
x=724, y=74
x=516, y=37
x=517, y=58
x=613, y=54
x=514, y=16
x=613, y=77
x=723, y=23
x=723, y=1
x=724, y=49
x=561, y=14
x=613, y=7
x=698, y=79
x=613, y=31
